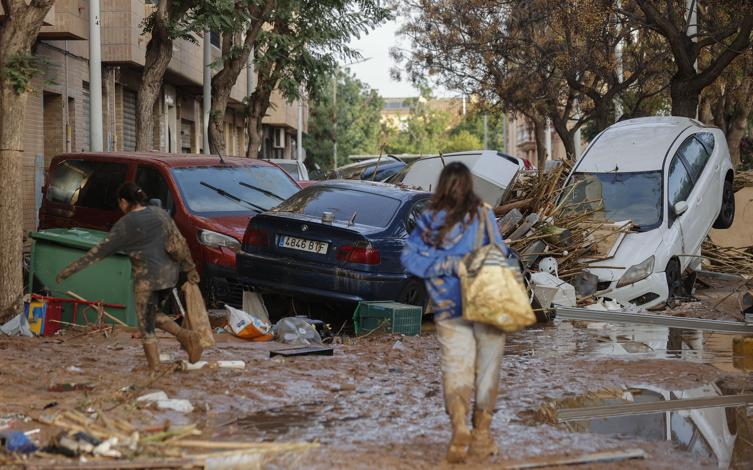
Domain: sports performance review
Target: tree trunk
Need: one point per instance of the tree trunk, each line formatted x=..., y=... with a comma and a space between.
x=258, y=104
x=12, y=106
x=18, y=34
x=224, y=80
x=539, y=132
x=684, y=98
x=566, y=135
x=159, y=52
x=735, y=134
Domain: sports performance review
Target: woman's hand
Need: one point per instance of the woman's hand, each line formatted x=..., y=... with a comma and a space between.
x=193, y=276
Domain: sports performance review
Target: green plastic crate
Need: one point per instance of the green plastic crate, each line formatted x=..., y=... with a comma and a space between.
x=396, y=318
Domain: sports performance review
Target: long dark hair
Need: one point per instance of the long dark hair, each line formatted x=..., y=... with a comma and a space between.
x=132, y=194
x=454, y=195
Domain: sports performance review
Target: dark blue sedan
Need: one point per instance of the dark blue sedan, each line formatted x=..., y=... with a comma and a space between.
x=339, y=240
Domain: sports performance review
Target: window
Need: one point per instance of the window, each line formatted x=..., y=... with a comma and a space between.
x=695, y=155
x=214, y=39
x=707, y=139
x=415, y=212
x=86, y=183
x=363, y=208
x=155, y=187
x=679, y=184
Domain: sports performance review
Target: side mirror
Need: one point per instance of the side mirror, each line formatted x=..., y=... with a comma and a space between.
x=680, y=208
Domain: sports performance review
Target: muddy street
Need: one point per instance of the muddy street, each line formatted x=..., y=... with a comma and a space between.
x=377, y=402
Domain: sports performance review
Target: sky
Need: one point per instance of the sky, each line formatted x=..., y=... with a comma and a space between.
x=375, y=70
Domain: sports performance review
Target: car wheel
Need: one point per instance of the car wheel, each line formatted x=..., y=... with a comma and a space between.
x=727, y=213
x=414, y=293
x=674, y=279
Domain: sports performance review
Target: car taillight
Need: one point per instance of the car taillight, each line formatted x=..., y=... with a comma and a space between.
x=255, y=237
x=358, y=254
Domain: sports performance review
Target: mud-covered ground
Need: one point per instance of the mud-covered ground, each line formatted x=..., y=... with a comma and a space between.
x=377, y=403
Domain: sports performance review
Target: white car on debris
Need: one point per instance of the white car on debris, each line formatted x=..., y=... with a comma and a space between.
x=670, y=178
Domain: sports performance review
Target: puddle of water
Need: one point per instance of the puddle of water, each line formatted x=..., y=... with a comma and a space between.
x=729, y=353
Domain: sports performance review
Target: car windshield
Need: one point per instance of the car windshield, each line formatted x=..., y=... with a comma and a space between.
x=233, y=189
x=616, y=197
x=371, y=209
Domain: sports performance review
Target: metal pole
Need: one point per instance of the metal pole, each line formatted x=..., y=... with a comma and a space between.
x=250, y=74
x=548, y=138
x=692, y=6
x=299, y=131
x=486, y=131
x=95, y=78
x=334, y=124
x=207, y=97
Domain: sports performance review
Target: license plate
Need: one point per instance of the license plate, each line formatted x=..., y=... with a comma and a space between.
x=312, y=246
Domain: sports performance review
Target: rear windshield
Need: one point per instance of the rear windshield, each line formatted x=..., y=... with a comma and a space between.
x=371, y=209
x=291, y=169
x=232, y=189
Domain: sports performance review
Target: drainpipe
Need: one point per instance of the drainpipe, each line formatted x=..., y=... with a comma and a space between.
x=207, y=97
x=95, y=78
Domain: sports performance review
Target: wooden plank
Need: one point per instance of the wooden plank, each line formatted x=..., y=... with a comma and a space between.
x=508, y=223
x=592, y=458
x=526, y=227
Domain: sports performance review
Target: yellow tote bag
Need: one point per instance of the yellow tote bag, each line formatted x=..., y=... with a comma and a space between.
x=490, y=288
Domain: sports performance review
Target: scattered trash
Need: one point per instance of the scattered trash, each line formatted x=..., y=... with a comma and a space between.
x=586, y=284
x=231, y=364
x=70, y=387
x=185, y=365
x=305, y=351
x=253, y=302
x=49, y=405
x=399, y=346
x=17, y=326
x=105, y=449
x=75, y=369
x=550, y=290
x=175, y=404
x=154, y=396
x=246, y=326
x=166, y=357
x=17, y=442
x=296, y=331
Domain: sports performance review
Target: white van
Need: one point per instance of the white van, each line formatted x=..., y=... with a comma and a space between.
x=672, y=178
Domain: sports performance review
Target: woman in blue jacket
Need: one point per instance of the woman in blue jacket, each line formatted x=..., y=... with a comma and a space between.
x=470, y=352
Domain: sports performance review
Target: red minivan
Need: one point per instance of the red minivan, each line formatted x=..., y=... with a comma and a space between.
x=211, y=201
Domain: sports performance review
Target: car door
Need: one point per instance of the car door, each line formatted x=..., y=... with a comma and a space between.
x=683, y=227
x=703, y=201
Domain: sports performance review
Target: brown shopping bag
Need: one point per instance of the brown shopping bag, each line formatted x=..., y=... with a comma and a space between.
x=197, y=318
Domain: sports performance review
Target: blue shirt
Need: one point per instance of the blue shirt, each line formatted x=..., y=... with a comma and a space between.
x=437, y=265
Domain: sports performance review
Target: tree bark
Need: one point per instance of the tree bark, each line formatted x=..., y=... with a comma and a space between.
x=18, y=34
x=159, y=52
x=539, y=132
x=258, y=104
x=685, y=98
x=224, y=80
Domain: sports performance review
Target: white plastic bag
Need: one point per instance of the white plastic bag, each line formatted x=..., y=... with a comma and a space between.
x=246, y=326
x=296, y=331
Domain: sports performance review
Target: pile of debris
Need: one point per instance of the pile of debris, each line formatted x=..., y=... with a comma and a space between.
x=727, y=259
x=552, y=239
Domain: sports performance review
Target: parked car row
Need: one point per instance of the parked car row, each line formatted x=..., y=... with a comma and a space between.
x=250, y=225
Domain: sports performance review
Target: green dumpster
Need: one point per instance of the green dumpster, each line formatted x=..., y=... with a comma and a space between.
x=108, y=281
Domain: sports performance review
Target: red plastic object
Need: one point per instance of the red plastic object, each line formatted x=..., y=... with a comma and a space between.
x=53, y=315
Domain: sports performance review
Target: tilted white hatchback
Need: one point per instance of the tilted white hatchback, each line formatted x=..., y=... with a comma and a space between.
x=672, y=178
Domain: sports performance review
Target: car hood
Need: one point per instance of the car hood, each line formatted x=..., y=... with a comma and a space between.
x=635, y=248
x=232, y=225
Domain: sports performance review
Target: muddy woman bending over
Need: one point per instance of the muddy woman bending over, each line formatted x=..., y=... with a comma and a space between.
x=471, y=352
x=158, y=253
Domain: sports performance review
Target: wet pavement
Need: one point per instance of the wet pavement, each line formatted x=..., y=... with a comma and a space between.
x=377, y=403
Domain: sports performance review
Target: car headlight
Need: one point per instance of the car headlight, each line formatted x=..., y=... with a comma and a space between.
x=217, y=240
x=637, y=273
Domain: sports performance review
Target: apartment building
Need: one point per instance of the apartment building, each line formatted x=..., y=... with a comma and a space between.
x=521, y=141
x=57, y=114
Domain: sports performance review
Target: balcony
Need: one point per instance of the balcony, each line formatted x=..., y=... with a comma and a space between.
x=67, y=20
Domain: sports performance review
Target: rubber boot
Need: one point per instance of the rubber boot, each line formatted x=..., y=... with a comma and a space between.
x=482, y=442
x=461, y=436
x=189, y=340
x=151, y=351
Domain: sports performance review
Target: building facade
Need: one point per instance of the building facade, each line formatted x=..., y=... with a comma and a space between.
x=57, y=113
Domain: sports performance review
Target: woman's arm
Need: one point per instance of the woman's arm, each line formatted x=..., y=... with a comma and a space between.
x=423, y=260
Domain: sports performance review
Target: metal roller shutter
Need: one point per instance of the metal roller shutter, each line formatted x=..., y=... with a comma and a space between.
x=129, y=121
